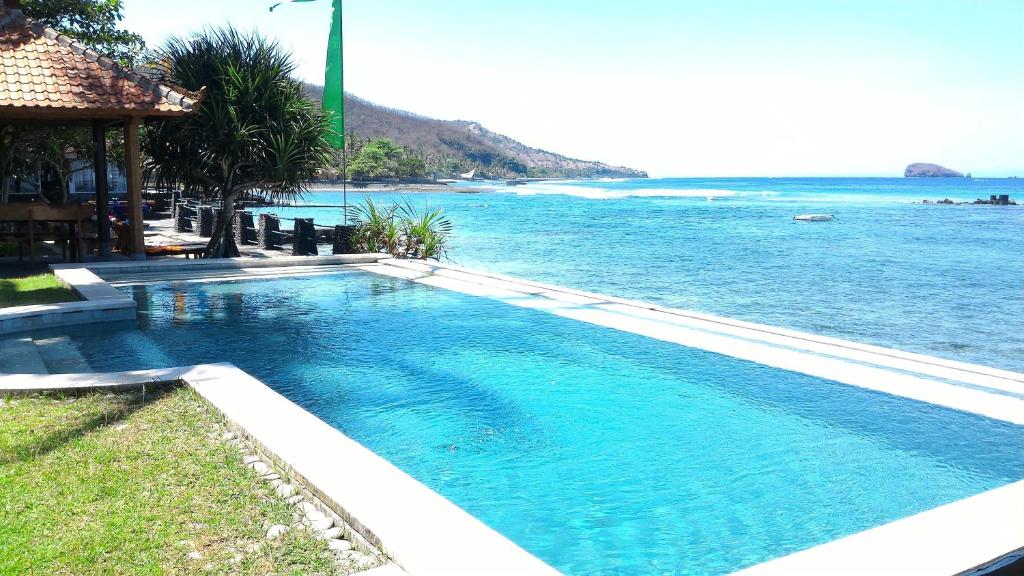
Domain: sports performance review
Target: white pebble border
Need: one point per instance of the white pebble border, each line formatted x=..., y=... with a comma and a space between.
x=352, y=552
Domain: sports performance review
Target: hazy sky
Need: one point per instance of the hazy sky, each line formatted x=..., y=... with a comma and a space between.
x=682, y=88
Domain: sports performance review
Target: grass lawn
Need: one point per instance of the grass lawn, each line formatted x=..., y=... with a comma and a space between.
x=121, y=484
x=41, y=289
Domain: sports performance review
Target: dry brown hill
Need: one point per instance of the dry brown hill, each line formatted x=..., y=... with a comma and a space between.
x=451, y=147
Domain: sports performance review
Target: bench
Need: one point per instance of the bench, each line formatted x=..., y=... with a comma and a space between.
x=190, y=250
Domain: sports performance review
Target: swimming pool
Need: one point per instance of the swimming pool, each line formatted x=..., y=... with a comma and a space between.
x=599, y=451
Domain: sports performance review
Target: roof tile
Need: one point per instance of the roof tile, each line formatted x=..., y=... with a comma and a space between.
x=41, y=68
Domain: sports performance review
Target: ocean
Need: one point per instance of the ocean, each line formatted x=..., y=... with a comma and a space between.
x=945, y=280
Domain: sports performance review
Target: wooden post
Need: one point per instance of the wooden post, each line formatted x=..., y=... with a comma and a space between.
x=245, y=232
x=204, y=222
x=99, y=137
x=343, y=236
x=269, y=232
x=133, y=180
x=31, y=238
x=304, y=238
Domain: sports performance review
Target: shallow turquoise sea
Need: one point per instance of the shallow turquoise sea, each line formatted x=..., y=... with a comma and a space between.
x=937, y=279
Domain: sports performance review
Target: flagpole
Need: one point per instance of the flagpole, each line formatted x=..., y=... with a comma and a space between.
x=344, y=142
x=341, y=104
x=344, y=182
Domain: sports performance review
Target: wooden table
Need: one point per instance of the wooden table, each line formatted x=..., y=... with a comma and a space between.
x=22, y=220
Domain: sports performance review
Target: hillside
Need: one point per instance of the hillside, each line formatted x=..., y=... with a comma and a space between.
x=453, y=147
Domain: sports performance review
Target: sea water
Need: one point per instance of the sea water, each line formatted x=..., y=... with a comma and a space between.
x=889, y=270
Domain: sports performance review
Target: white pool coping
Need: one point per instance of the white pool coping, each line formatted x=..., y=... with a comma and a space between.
x=186, y=266
x=415, y=527
x=99, y=302
x=950, y=539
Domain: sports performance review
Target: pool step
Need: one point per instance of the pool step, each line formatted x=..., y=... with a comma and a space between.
x=61, y=355
x=20, y=356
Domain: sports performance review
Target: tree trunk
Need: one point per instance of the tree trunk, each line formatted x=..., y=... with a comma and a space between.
x=65, y=188
x=222, y=244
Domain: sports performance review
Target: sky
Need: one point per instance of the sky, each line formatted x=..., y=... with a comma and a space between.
x=678, y=87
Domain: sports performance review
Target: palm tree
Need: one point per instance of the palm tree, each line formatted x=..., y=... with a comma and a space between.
x=254, y=135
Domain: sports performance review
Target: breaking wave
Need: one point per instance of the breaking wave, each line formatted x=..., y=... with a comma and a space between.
x=598, y=193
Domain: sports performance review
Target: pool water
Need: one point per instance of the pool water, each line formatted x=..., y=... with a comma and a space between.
x=601, y=452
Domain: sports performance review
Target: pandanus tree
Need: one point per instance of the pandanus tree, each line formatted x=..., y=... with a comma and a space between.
x=254, y=135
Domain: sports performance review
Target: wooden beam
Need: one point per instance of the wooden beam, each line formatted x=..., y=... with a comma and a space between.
x=99, y=136
x=133, y=179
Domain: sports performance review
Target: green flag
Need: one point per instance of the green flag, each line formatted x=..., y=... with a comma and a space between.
x=334, y=81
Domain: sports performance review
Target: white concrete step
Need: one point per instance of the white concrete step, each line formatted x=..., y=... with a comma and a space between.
x=20, y=356
x=61, y=355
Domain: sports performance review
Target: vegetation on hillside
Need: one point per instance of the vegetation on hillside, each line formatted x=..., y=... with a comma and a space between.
x=449, y=148
x=382, y=158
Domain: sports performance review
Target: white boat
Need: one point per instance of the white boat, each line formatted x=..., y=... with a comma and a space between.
x=814, y=217
x=471, y=175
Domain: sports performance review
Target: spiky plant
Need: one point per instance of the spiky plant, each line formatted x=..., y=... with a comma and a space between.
x=425, y=233
x=400, y=230
x=254, y=134
x=376, y=229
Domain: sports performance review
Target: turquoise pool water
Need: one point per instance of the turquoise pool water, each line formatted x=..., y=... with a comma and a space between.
x=599, y=451
x=941, y=280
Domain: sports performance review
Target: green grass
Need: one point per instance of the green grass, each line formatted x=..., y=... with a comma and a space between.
x=40, y=289
x=121, y=484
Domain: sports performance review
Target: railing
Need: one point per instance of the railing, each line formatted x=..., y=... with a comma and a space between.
x=265, y=232
x=304, y=237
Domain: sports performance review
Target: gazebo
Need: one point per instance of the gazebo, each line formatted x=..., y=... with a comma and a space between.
x=47, y=78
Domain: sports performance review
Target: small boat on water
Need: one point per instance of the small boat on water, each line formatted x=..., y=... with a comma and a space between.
x=814, y=218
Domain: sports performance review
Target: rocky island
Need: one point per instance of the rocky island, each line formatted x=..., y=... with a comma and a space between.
x=924, y=170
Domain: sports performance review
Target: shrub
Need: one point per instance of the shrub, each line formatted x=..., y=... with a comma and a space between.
x=400, y=230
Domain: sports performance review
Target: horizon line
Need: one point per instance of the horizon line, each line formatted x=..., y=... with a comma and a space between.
x=890, y=176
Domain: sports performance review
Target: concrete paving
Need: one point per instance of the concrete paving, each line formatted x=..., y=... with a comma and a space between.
x=950, y=539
